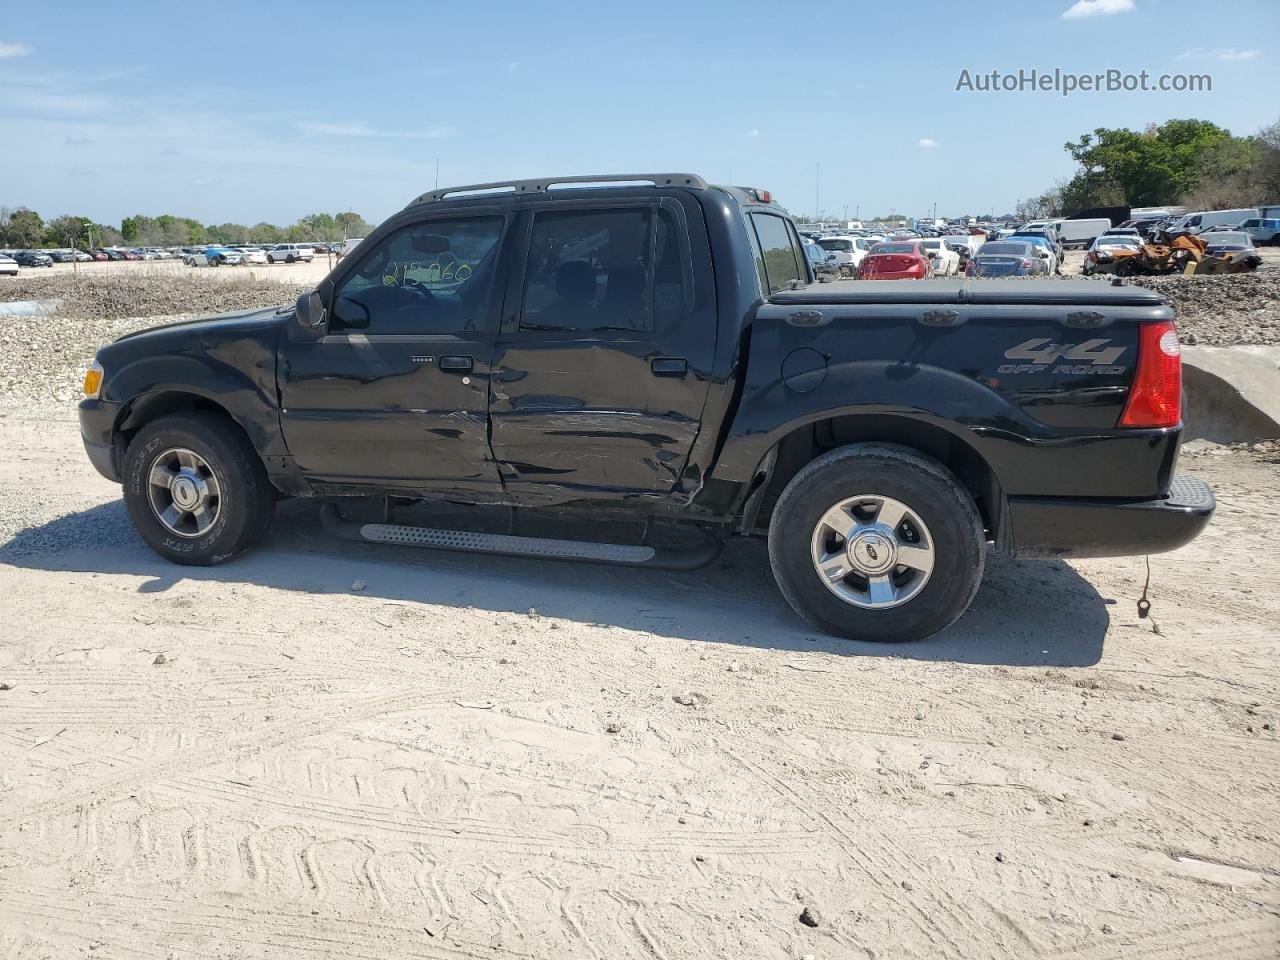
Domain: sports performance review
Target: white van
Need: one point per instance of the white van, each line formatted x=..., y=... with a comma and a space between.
x=1202, y=220
x=1080, y=233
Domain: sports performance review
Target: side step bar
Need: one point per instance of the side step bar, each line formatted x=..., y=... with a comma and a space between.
x=585, y=551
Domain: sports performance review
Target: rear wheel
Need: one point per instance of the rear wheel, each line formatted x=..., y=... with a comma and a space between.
x=877, y=542
x=196, y=490
x=290, y=259
x=270, y=258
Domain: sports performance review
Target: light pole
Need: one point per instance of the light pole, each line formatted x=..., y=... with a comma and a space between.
x=817, y=190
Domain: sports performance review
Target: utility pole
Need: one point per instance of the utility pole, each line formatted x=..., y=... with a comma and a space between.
x=817, y=190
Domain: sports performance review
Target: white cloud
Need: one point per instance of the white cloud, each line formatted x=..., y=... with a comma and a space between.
x=1227, y=54
x=360, y=130
x=927, y=142
x=753, y=132
x=1091, y=8
x=8, y=50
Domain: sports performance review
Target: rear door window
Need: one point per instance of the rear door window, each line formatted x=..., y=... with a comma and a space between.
x=612, y=269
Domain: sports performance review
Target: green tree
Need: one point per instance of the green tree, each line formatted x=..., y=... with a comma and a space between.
x=1156, y=166
x=66, y=231
x=319, y=226
x=350, y=225
x=129, y=229
x=265, y=233
x=25, y=228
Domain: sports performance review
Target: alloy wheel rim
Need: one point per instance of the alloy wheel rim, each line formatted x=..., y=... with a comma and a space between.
x=872, y=551
x=183, y=492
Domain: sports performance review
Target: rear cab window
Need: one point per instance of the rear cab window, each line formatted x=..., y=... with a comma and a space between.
x=779, y=260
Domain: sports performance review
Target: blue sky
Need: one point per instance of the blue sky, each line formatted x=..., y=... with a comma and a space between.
x=265, y=110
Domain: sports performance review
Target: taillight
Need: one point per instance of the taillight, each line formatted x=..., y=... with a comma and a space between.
x=1024, y=264
x=1155, y=397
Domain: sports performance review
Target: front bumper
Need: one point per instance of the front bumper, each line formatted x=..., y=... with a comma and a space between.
x=1061, y=527
x=97, y=431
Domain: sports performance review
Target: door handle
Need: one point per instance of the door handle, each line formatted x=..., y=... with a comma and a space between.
x=669, y=366
x=456, y=364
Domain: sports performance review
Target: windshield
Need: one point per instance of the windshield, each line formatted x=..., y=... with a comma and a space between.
x=1004, y=249
x=894, y=248
x=836, y=244
x=1224, y=237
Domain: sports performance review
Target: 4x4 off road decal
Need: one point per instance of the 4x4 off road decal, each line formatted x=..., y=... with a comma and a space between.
x=1093, y=357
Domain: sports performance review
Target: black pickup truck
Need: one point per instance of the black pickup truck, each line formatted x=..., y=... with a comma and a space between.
x=649, y=353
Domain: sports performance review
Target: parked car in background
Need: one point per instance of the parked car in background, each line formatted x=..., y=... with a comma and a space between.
x=1044, y=242
x=8, y=266
x=944, y=261
x=895, y=260
x=1009, y=258
x=222, y=256
x=1235, y=245
x=291, y=253
x=1261, y=230
x=957, y=240
x=1122, y=232
x=100, y=256
x=848, y=250
x=824, y=265
x=1104, y=252
x=33, y=258
x=253, y=255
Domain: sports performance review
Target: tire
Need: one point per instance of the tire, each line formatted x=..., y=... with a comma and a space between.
x=924, y=603
x=245, y=502
x=291, y=259
x=270, y=258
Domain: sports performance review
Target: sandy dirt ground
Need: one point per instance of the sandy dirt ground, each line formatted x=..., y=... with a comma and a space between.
x=323, y=750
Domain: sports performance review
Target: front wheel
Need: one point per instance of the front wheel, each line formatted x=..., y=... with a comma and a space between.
x=290, y=259
x=196, y=490
x=877, y=542
x=270, y=258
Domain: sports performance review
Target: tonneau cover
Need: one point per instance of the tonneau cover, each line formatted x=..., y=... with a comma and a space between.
x=1011, y=291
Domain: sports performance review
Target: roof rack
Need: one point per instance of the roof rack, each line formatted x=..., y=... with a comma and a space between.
x=543, y=184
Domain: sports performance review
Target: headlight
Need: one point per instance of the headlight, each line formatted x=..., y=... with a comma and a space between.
x=93, y=380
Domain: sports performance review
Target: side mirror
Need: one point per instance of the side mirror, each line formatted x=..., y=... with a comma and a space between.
x=354, y=315
x=309, y=311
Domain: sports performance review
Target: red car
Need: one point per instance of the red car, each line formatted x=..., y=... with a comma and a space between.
x=896, y=260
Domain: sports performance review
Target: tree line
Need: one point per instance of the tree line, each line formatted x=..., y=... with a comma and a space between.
x=23, y=228
x=1191, y=163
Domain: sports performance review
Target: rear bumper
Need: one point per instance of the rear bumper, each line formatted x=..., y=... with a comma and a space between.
x=1060, y=527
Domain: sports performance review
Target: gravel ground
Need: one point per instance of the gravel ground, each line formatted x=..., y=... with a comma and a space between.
x=327, y=750
x=44, y=357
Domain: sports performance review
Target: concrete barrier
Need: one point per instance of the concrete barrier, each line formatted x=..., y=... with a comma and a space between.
x=1231, y=394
